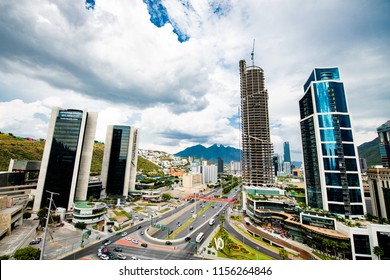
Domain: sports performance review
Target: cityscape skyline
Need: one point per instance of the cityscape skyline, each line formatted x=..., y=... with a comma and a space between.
x=57, y=54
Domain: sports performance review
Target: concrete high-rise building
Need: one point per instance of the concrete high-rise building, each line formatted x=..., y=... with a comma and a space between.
x=120, y=158
x=379, y=184
x=384, y=143
x=235, y=168
x=209, y=174
x=331, y=162
x=257, y=149
x=67, y=158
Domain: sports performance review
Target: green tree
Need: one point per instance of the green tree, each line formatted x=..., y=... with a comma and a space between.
x=80, y=225
x=333, y=244
x=4, y=257
x=229, y=244
x=326, y=244
x=222, y=220
x=283, y=253
x=344, y=246
x=27, y=253
x=369, y=216
x=26, y=215
x=166, y=196
x=378, y=251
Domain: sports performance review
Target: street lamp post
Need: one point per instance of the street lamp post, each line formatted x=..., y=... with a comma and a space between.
x=47, y=224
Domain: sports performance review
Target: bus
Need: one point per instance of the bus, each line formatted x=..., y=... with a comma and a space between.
x=211, y=222
x=200, y=237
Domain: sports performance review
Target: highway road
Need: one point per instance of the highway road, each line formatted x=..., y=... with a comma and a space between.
x=176, y=251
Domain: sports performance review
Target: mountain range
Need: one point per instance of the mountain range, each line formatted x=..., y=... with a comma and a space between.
x=368, y=150
x=212, y=153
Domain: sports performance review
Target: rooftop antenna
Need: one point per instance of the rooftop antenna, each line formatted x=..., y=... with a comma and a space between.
x=253, y=53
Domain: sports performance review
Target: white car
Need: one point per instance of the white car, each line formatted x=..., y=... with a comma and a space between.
x=135, y=258
x=134, y=241
x=121, y=257
x=124, y=234
x=104, y=257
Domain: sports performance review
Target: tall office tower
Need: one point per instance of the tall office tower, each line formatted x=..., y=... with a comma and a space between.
x=119, y=160
x=257, y=149
x=275, y=160
x=220, y=165
x=384, y=143
x=67, y=158
x=286, y=150
x=331, y=162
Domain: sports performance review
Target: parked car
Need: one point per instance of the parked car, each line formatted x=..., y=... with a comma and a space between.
x=135, y=258
x=121, y=257
x=118, y=249
x=168, y=242
x=134, y=241
x=104, y=257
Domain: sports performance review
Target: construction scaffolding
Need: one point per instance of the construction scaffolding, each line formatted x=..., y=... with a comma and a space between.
x=257, y=149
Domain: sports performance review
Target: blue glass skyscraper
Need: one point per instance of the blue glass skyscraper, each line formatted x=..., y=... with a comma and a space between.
x=286, y=152
x=331, y=162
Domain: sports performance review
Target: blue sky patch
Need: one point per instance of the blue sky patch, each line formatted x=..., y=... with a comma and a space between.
x=89, y=4
x=159, y=17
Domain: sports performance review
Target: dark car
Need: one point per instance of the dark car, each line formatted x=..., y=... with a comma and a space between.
x=168, y=243
x=144, y=245
x=111, y=255
x=118, y=249
x=191, y=227
x=106, y=242
x=139, y=227
x=188, y=238
x=33, y=242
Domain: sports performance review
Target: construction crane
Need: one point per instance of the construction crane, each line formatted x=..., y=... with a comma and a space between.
x=253, y=53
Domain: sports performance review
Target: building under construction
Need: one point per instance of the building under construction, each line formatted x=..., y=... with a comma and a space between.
x=257, y=149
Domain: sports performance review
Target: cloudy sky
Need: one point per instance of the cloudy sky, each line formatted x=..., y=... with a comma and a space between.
x=170, y=67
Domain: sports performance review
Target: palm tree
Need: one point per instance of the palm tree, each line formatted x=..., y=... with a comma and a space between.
x=378, y=251
x=344, y=246
x=326, y=244
x=222, y=219
x=283, y=253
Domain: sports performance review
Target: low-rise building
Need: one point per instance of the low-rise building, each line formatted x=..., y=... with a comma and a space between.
x=89, y=212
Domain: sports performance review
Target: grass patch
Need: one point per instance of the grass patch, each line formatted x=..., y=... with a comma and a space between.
x=322, y=256
x=238, y=250
x=164, y=210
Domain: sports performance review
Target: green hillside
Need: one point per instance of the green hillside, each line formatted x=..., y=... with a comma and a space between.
x=12, y=147
x=370, y=151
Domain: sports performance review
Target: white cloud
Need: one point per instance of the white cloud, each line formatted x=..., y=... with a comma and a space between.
x=114, y=61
